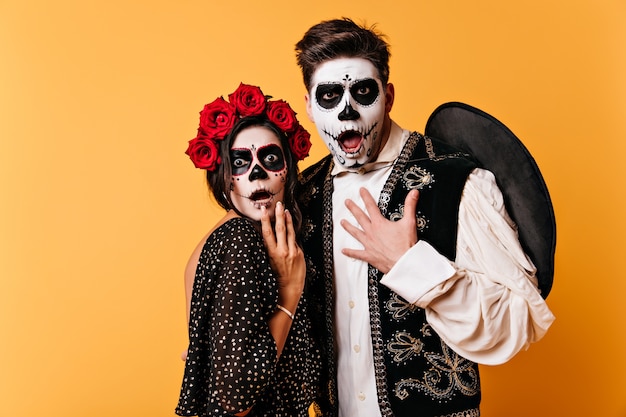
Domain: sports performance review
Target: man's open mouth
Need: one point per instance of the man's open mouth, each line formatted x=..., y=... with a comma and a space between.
x=350, y=141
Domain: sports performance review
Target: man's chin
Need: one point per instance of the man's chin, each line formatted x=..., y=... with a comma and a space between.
x=354, y=163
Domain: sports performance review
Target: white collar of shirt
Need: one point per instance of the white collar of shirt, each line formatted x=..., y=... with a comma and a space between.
x=389, y=153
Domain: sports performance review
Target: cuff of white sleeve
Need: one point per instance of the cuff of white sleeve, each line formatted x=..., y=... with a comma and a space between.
x=418, y=271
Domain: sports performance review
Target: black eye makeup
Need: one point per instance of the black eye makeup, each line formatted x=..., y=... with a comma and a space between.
x=240, y=160
x=328, y=96
x=365, y=92
x=269, y=156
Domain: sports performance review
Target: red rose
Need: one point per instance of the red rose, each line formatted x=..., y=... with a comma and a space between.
x=300, y=143
x=249, y=100
x=217, y=118
x=283, y=116
x=204, y=153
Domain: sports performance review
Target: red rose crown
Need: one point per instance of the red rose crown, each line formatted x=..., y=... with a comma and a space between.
x=218, y=118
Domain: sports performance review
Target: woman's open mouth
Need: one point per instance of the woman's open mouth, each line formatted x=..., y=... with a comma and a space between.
x=261, y=198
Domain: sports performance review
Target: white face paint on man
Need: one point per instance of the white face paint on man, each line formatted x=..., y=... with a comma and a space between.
x=259, y=171
x=348, y=105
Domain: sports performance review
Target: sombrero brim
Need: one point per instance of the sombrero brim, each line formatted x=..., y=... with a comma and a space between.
x=526, y=195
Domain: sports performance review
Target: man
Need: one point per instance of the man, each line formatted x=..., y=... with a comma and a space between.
x=415, y=290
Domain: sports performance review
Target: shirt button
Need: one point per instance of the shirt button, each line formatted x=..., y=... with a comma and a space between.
x=357, y=348
x=351, y=304
x=361, y=396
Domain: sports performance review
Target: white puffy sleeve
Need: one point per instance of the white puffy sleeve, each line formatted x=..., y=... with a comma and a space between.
x=485, y=305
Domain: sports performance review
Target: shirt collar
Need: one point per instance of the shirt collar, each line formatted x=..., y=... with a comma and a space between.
x=389, y=153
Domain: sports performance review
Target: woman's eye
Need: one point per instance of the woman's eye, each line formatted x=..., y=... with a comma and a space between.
x=271, y=158
x=238, y=163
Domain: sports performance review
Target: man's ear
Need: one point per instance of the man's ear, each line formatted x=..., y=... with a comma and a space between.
x=390, y=94
x=307, y=102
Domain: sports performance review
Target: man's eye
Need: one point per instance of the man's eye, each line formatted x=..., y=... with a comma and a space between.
x=328, y=96
x=365, y=92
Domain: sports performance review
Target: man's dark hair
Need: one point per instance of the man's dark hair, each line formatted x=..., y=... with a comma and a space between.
x=341, y=38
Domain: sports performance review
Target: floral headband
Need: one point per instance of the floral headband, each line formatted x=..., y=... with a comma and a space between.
x=218, y=118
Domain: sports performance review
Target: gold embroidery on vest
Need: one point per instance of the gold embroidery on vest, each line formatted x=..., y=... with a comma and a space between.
x=449, y=372
x=421, y=220
x=416, y=178
x=404, y=347
x=398, y=307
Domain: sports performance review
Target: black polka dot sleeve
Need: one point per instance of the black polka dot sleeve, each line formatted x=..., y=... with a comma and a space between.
x=232, y=355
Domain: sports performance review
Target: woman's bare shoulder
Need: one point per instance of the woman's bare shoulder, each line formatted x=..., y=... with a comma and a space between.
x=192, y=263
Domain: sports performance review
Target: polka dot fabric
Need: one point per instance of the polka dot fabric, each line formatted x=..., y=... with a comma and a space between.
x=231, y=359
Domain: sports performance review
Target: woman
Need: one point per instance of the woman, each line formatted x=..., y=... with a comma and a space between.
x=250, y=352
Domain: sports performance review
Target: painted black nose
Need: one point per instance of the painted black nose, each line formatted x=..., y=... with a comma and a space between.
x=257, y=173
x=349, y=113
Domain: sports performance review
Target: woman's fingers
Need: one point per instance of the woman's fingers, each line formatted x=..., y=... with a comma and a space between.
x=266, y=229
x=291, y=233
x=279, y=225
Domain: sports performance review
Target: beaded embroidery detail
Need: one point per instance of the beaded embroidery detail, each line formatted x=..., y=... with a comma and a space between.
x=416, y=178
x=399, y=308
x=449, y=372
x=404, y=347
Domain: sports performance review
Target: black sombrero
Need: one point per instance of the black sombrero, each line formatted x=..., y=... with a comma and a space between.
x=526, y=196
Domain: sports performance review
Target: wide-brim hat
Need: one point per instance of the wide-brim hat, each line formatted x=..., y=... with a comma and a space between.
x=498, y=150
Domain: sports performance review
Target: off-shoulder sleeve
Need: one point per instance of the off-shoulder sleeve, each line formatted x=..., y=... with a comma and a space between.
x=232, y=354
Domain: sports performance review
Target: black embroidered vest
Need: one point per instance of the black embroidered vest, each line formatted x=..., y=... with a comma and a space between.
x=417, y=374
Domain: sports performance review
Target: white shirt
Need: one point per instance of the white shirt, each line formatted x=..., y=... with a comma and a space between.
x=485, y=305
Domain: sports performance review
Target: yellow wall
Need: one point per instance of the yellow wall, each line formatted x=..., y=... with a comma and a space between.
x=99, y=207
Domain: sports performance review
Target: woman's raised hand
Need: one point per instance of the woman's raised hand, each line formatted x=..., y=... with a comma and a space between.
x=286, y=257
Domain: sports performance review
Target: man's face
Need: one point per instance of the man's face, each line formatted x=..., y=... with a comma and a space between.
x=259, y=171
x=348, y=105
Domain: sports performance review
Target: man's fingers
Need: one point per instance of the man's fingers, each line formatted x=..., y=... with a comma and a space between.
x=410, y=204
x=370, y=203
x=355, y=254
x=354, y=231
x=360, y=216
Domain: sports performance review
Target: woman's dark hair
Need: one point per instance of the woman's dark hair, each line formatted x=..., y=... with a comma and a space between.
x=220, y=180
x=342, y=38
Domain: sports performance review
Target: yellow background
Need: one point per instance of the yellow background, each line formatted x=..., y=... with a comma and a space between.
x=100, y=208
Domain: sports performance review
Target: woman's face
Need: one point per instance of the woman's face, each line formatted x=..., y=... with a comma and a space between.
x=259, y=171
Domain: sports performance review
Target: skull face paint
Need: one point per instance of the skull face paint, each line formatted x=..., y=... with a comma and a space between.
x=259, y=171
x=347, y=103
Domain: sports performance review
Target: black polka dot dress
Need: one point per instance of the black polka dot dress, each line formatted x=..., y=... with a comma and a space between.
x=231, y=362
